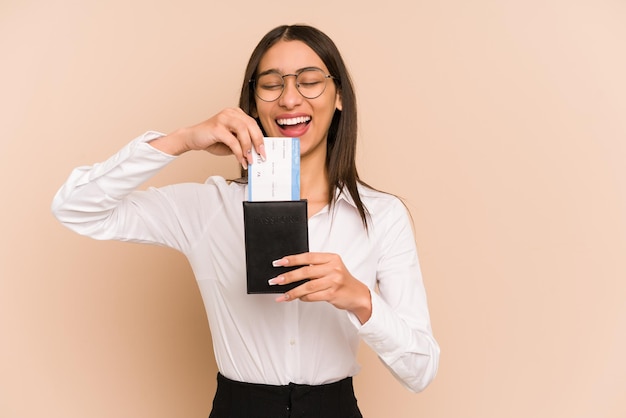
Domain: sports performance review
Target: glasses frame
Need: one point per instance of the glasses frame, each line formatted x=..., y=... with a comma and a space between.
x=253, y=81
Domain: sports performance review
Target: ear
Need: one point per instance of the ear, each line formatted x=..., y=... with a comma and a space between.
x=338, y=104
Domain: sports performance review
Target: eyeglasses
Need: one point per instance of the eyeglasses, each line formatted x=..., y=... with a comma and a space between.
x=310, y=83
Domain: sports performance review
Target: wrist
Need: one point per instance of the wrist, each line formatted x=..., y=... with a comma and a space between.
x=364, y=309
x=174, y=143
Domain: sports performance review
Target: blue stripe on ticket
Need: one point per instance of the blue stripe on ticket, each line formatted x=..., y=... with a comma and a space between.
x=295, y=168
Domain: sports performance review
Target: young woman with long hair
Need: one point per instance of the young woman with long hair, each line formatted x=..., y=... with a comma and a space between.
x=295, y=354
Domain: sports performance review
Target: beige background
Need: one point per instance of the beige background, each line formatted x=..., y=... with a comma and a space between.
x=502, y=124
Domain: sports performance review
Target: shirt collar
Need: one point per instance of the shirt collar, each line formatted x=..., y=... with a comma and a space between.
x=344, y=195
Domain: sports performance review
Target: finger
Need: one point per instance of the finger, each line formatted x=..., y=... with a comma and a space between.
x=293, y=276
x=259, y=145
x=228, y=138
x=255, y=135
x=310, y=272
x=303, y=259
x=311, y=291
x=238, y=139
x=246, y=129
x=240, y=131
x=231, y=127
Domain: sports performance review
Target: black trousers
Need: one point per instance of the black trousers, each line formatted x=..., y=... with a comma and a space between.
x=249, y=400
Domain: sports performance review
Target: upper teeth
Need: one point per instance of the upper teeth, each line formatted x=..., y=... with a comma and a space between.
x=294, y=121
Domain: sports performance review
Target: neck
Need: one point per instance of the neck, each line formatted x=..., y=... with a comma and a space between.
x=314, y=182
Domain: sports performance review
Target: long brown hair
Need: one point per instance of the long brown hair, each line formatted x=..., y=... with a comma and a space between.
x=342, y=133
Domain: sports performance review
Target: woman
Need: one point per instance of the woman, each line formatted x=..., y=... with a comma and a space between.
x=292, y=355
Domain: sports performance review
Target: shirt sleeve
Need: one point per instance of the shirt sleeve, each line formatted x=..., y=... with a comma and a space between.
x=101, y=201
x=399, y=329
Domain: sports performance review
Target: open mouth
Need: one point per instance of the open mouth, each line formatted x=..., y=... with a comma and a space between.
x=290, y=122
x=294, y=127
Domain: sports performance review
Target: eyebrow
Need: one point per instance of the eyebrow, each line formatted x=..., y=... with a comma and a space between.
x=298, y=71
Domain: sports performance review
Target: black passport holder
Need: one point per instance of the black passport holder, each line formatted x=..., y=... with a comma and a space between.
x=273, y=230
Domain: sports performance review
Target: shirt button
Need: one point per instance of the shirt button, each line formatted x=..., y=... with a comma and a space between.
x=292, y=341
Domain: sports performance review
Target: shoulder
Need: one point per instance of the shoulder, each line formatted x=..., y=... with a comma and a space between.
x=379, y=203
x=390, y=220
x=221, y=183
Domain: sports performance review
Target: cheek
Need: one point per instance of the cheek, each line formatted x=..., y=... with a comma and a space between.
x=267, y=124
x=328, y=110
x=263, y=116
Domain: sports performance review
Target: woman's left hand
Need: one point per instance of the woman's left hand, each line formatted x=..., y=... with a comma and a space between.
x=330, y=281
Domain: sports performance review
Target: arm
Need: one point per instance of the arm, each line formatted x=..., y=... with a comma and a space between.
x=399, y=329
x=395, y=322
x=100, y=201
x=229, y=132
x=94, y=200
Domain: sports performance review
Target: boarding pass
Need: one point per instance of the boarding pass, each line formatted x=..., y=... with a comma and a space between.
x=278, y=177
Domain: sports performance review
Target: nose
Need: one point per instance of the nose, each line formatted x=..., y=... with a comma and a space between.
x=291, y=97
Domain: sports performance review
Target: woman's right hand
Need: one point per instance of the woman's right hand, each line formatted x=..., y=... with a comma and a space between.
x=230, y=131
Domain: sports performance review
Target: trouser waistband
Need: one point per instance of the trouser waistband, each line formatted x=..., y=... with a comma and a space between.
x=251, y=400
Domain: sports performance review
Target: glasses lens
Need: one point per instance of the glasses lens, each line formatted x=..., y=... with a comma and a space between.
x=311, y=83
x=269, y=87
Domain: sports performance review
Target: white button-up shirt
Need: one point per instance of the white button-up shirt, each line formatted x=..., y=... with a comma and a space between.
x=256, y=339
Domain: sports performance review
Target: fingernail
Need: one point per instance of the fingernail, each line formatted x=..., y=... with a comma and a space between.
x=280, y=262
x=276, y=280
x=283, y=298
x=262, y=152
